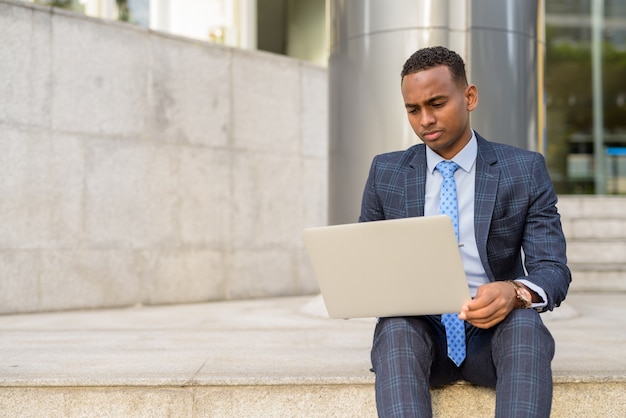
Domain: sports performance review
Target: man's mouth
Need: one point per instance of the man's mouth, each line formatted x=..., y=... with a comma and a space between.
x=431, y=135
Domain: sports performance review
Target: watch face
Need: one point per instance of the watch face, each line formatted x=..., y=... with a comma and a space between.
x=523, y=295
x=525, y=298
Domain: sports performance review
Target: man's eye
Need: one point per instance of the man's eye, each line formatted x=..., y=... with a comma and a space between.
x=437, y=105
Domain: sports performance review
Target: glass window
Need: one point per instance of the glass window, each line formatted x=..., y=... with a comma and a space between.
x=570, y=96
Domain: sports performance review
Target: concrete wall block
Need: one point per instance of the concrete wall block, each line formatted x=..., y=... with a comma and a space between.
x=267, y=200
x=100, y=84
x=287, y=400
x=189, y=92
x=598, y=228
x=41, y=181
x=315, y=193
x=305, y=279
x=604, y=207
x=182, y=276
x=261, y=273
x=598, y=281
x=569, y=207
x=314, y=105
x=142, y=167
x=25, y=80
x=585, y=252
x=266, y=102
x=131, y=194
x=315, y=206
x=29, y=402
x=127, y=402
x=19, y=281
x=573, y=207
x=84, y=279
x=205, y=197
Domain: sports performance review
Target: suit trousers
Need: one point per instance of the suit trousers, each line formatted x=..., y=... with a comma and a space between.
x=409, y=356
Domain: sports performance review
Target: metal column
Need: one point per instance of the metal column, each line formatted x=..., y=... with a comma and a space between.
x=371, y=39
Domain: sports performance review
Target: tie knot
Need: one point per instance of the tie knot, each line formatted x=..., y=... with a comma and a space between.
x=447, y=168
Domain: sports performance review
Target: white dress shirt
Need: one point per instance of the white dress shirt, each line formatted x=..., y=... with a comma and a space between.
x=464, y=178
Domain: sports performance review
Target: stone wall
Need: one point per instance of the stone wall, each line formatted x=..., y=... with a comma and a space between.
x=141, y=168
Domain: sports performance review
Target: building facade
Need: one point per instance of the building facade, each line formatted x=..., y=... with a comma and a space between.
x=583, y=85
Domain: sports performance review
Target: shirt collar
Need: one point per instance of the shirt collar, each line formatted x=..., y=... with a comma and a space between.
x=464, y=158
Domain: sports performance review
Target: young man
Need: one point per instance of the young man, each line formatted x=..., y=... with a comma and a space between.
x=513, y=252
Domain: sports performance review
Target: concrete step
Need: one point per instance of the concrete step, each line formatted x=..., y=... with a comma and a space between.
x=605, y=277
x=266, y=358
x=592, y=207
x=595, y=228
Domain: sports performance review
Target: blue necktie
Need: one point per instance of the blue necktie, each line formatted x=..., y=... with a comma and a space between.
x=455, y=327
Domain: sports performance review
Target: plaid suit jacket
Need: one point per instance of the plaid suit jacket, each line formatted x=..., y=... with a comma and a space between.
x=516, y=222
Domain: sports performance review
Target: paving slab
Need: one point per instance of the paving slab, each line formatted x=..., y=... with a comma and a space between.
x=274, y=341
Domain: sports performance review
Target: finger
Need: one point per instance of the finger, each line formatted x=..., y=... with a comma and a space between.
x=479, y=302
x=486, y=318
x=485, y=325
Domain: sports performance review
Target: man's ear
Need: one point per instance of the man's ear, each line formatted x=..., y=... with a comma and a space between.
x=471, y=97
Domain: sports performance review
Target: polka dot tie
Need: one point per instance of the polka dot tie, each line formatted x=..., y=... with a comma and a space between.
x=455, y=327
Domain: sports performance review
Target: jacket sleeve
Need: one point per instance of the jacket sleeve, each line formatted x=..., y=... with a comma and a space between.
x=371, y=208
x=543, y=241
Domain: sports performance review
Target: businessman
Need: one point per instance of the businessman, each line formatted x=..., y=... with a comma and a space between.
x=504, y=212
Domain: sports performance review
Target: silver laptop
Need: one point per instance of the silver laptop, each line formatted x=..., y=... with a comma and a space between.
x=409, y=266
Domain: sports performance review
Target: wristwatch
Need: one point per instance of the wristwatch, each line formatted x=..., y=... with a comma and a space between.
x=524, y=298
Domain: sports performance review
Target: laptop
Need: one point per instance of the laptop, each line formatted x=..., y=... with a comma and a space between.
x=399, y=267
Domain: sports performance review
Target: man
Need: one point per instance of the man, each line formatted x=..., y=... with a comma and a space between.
x=513, y=252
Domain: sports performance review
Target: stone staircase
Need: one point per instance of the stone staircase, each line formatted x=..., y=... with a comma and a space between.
x=595, y=229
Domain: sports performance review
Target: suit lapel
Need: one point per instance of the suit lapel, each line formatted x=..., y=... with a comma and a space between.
x=487, y=177
x=415, y=183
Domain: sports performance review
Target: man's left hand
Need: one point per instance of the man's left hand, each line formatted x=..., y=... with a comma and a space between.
x=492, y=303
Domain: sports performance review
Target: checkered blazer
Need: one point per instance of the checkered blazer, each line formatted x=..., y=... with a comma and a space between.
x=518, y=228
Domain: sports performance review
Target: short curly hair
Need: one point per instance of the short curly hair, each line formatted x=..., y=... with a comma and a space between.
x=436, y=56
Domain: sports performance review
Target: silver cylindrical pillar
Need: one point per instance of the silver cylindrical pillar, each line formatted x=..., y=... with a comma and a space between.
x=504, y=45
x=371, y=40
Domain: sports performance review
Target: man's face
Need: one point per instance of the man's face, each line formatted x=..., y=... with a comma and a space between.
x=438, y=109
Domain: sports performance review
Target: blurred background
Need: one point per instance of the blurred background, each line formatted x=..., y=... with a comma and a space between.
x=574, y=129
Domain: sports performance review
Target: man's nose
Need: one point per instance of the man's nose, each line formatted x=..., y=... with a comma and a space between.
x=427, y=117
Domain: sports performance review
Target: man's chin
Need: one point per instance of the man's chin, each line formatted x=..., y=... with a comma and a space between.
x=435, y=145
